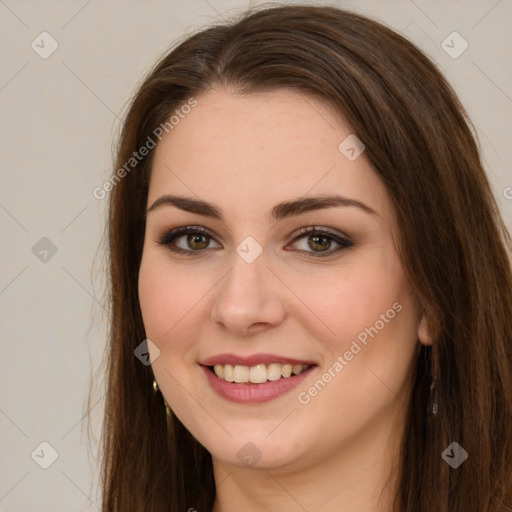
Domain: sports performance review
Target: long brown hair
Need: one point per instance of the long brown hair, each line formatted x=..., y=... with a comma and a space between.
x=453, y=244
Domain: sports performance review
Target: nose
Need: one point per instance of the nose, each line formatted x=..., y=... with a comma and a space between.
x=249, y=298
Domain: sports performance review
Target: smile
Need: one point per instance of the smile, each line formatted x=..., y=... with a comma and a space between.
x=254, y=384
x=257, y=374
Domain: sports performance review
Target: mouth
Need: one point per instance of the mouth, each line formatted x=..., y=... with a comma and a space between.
x=256, y=378
x=257, y=374
x=255, y=384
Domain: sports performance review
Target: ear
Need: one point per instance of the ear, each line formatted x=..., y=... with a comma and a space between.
x=424, y=331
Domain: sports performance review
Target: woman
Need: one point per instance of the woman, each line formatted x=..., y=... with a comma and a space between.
x=304, y=245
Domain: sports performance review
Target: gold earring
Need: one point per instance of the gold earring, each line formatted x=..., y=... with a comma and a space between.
x=155, y=390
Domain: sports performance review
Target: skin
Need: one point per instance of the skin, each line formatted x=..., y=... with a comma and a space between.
x=245, y=154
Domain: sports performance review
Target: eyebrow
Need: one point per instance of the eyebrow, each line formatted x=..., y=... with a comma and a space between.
x=278, y=212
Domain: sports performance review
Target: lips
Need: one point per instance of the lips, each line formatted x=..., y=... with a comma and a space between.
x=250, y=393
x=256, y=378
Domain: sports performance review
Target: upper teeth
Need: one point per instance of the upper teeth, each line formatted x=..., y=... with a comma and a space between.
x=257, y=374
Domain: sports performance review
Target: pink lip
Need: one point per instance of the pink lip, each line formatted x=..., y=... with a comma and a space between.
x=254, y=393
x=251, y=360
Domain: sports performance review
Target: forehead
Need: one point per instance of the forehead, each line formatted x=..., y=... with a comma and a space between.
x=248, y=152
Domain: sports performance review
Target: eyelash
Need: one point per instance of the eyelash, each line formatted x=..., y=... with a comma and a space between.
x=169, y=237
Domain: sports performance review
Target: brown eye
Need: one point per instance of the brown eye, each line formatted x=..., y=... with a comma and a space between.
x=188, y=240
x=197, y=241
x=317, y=242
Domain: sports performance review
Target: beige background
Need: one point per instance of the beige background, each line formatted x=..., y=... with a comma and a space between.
x=59, y=117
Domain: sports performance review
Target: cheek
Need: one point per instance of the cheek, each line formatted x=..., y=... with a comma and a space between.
x=373, y=316
x=152, y=292
x=372, y=319
x=174, y=301
x=167, y=300
x=165, y=295
x=354, y=298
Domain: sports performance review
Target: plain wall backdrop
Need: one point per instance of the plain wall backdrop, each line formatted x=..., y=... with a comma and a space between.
x=68, y=71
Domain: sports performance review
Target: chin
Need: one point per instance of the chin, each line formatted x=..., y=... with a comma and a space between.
x=252, y=449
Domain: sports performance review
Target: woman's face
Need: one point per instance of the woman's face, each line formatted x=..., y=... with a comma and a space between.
x=253, y=291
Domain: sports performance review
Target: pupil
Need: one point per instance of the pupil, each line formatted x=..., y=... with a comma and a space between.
x=325, y=245
x=193, y=239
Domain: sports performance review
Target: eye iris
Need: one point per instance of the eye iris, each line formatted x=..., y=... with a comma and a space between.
x=196, y=238
x=315, y=239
